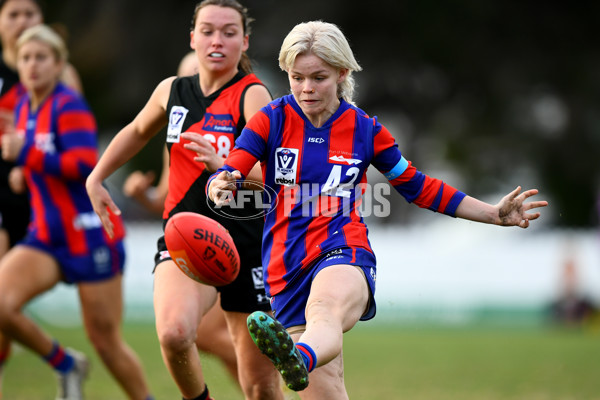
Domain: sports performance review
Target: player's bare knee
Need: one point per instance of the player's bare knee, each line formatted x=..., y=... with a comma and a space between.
x=176, y=338
x=103, y=347
x=9, y=310
x=104, y=336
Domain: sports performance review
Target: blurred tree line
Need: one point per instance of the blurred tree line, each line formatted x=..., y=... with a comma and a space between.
x=485, y=94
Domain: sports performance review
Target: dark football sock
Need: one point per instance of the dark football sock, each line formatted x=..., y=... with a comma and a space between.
x=59, y=359
x=308, y=355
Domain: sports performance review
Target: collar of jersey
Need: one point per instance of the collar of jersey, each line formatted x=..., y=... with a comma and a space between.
x=343, y=107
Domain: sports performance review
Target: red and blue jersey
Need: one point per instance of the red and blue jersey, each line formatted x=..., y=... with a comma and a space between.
x=318, y=177
x=59, y=152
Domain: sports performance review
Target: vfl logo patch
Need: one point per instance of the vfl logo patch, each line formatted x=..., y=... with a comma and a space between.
x=219, y=123
x=101, y=257
x=286, y=166
x=176, y=118
x=257, y=278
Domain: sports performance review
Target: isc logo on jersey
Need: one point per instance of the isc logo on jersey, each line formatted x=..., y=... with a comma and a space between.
x=176, y=118
x=286, y=165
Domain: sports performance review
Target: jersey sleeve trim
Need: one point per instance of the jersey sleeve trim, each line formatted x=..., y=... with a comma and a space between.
x=398, y=169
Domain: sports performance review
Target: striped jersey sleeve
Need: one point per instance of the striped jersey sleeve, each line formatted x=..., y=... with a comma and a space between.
x=415, y=186
x=59, y=153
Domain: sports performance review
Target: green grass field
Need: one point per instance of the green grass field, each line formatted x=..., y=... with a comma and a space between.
x=382, y=362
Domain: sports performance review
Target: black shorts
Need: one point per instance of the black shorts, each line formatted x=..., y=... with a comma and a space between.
x=247, y=293
x=14, y=219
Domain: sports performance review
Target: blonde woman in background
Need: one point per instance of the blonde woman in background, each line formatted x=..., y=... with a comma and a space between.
x=56, y=145
x=15, y=17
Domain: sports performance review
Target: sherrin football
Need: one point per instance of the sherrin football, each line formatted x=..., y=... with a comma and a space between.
x=202, y=248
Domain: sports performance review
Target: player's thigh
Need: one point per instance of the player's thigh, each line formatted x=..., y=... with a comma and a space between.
x=26, y=272
x=212, y=334
x=177, y=298
x=342, y=292
x=102, y=304
x=213, y=323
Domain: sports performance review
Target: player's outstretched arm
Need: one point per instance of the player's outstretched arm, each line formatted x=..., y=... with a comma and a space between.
x=127, y=143
x=512, y=210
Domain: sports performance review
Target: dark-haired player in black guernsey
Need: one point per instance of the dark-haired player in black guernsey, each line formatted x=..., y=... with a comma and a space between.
x=219, y=123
